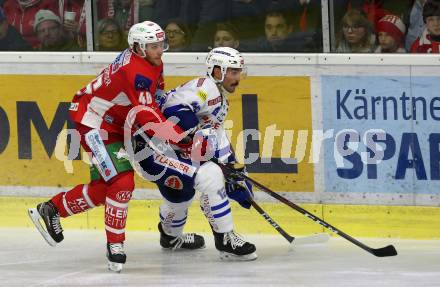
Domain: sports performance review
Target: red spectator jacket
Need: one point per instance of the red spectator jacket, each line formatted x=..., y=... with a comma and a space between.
x=23, y=19
x=424, y=44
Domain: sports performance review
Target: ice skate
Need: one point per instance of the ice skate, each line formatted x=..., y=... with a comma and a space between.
x=46, y=211
x=116, y=256
x=234, y=248
x=188, y=241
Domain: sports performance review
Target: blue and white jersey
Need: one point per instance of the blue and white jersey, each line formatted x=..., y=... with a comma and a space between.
x=197, y=104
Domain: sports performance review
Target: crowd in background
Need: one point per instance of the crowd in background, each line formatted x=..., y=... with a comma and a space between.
x=358, y=26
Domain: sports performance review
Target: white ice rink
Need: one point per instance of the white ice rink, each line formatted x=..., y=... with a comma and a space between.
x=26, y=260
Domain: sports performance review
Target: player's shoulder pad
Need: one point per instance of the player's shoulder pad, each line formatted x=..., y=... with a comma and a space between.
x=206, y=89
x=122, y=61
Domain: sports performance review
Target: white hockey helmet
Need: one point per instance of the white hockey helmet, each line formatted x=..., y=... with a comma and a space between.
x=224, y=57
x=144, y=33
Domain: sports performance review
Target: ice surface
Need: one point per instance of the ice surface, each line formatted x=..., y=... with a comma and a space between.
x=27, y=260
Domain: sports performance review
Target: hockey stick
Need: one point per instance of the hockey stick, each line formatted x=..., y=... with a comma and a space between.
x=317, y=238
x=379, y=252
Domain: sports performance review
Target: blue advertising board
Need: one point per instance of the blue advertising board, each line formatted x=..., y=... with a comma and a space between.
x=386, y=134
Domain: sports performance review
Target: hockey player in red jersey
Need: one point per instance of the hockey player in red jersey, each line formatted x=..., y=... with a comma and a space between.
x=99, y=112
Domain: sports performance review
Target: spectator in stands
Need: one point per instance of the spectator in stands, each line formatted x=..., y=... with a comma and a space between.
x=308, y=20
x=356, y=35
x=307, y=15
x=111, y=36
x=73, y=16
x=166, y=10
x=10, y=39
x=414, y=21
x=21, y=14
x=226, y=35
x=51, y=34
x=278, y=28
x=390, y=33
x=248, y=14
x=178, y=36
x=146, y=10
x=123, y=11
x=202, y=16
x=429, y=41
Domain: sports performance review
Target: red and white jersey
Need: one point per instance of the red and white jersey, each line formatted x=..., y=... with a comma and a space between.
x=425, y=44
x=130, y=81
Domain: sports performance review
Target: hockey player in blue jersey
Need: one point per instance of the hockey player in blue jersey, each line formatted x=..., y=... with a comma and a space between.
x=200, y=107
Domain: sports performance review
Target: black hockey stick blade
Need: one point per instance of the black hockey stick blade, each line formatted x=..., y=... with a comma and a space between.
x=384, y=251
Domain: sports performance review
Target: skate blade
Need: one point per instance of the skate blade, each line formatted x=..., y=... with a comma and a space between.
x=182, y=249
x=115, y=267
x=232, y=257
x=35, y=217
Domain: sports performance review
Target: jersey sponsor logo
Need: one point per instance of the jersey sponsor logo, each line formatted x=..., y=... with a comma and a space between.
x=174, y=164
x=196, y=107
x=174, y=182
x=73, y=107
x=200, y=82
x=202, y=95
x=123, y=196
x=216, y=110
x=106, y=76
x=127, y=57
x=117, y=63
x=142, y=83
x=215, y=101
x=78, y=205
x=108, y=119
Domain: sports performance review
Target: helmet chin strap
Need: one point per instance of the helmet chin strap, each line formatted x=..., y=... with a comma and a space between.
x=223, y=73
x=222, y=90
x=143, y=55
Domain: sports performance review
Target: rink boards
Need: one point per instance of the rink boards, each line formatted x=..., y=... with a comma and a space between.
x=355, y=135
x=409, y=222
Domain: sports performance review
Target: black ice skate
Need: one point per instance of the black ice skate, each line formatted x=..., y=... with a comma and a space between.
x=189, y=241
x=233, y=247
x=116, y=256
x=46, y=211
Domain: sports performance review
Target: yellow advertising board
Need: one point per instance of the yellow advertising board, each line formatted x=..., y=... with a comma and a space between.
x=33, y=110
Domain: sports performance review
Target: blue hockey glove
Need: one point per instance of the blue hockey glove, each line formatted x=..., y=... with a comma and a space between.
x=239, y=190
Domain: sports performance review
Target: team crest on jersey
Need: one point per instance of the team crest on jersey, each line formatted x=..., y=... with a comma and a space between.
x=142, y=83
x=174, y=182
x=202, y=95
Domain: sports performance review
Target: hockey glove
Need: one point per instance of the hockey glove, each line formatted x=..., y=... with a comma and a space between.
x=239, y=190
